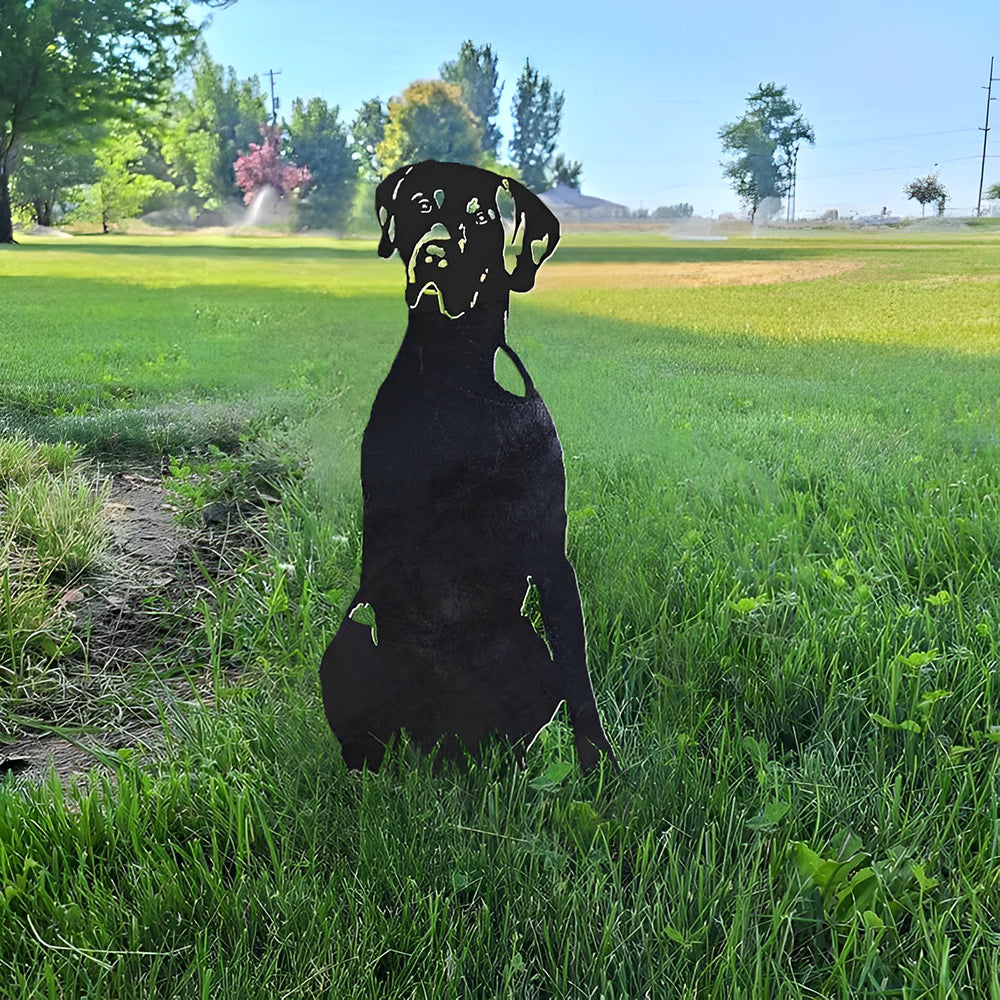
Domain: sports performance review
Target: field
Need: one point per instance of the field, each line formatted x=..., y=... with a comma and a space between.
x=783, y=462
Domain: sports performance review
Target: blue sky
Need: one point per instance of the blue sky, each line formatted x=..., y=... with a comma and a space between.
x=892, y=89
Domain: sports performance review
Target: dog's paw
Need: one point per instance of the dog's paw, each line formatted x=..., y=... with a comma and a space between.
x=590, y=753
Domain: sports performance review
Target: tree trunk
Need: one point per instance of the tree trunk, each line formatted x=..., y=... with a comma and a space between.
x=6, y=223
x=43, y=212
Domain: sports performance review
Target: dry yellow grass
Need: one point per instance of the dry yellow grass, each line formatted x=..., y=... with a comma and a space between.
x=690, y=275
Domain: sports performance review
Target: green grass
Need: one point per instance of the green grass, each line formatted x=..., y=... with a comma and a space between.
x=52, y=530
x=784, y=516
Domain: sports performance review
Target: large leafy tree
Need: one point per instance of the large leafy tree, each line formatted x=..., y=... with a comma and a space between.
x=764, y=140
x=48, y=168
x=212, y=125
x=429, y=122
x=123, y=188
x=927, y=190
x=475, y=72
x=537, y=112
x=64, y=63
x=367, y=131
x=318, y=139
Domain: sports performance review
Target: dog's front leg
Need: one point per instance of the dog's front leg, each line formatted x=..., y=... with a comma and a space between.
x=562, y=614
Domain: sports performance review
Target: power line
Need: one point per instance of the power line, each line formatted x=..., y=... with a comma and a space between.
x=986, y=131
x=899, y=166
x=897, y=138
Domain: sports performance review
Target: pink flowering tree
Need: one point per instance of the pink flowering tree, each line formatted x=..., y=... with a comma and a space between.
x=264, y=166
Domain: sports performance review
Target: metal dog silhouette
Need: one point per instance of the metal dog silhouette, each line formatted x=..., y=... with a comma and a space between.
x=464, y=499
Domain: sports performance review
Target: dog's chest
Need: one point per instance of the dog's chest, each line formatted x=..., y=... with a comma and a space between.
x=438, y=442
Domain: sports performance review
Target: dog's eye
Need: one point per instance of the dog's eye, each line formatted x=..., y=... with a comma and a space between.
x=424, y=205
x=479, y=216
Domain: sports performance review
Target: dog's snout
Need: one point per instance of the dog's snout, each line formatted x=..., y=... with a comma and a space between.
x=434, y=254
x=436, y=246
x=439, y=231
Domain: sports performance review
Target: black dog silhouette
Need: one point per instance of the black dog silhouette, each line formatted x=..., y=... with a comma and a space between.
x=464, y=499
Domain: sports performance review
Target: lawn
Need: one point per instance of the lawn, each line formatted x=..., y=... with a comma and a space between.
x=783, y=462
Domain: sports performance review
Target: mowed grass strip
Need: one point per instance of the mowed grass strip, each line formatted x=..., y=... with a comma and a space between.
x=784, y=515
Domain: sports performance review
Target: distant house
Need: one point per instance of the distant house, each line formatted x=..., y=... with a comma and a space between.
x=569, y=205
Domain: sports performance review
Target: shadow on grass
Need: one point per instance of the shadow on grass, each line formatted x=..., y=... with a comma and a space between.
x=273, y=248
x=290, y=250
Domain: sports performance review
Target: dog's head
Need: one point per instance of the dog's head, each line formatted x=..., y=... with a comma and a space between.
x=447, y=222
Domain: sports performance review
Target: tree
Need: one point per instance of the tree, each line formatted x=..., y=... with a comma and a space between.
x=680, y=211
x=48, y=168
x=567, y=172
x=213, y=123
x=429, y=122
x=537, y=113
x=367, y=131
x=64, y=63
x=266, y=166
x=319, y=140
x=475, y=72
x=928, y=189
x=993, y=192
x=765, y=140
x=121, y=190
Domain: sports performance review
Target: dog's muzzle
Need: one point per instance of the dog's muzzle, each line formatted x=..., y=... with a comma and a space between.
x=437, y=267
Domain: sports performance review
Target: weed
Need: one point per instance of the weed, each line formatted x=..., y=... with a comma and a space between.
x=61, y=520
x=22, y=459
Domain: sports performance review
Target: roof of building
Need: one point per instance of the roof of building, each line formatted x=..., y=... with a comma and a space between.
x=563, y=196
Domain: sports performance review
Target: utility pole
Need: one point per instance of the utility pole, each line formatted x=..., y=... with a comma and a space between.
x=986, y=131
x=790, y=212
x=788, y=192
x=275, y=103
x=795, y=180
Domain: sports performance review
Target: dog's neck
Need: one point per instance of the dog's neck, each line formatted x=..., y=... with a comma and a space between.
x=463, y=347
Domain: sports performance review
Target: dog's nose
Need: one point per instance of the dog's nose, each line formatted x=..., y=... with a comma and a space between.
x=436, y=245
x=437, y=232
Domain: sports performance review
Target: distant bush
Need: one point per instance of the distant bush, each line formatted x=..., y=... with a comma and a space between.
x=680, y=211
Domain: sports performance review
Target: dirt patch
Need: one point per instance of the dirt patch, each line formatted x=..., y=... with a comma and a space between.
x=690, y=275
x=148, y=551
x=31, y=759
x=72, y=754
x=147, y=538
x=136, y=610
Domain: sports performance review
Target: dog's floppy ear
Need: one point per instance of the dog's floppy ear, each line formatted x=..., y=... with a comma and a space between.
x=538, y=231
x=385, y=201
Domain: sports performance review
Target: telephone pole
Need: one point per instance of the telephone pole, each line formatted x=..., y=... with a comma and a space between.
x=790, y=206
x=986, y=131
x=795, y=179
x=275, y=103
